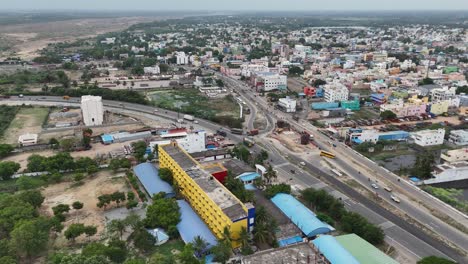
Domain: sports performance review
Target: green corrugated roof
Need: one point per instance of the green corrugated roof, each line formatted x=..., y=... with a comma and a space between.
x=363, y=251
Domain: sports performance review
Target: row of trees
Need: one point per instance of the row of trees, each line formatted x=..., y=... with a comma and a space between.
x=348, y=222
x=62, y=161
x=107, y=199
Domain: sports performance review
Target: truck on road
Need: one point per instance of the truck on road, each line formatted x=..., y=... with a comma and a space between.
x=66, y=97
x=189, y=117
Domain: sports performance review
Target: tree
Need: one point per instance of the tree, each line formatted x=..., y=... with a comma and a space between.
x=77, y=205
x=199, y=246
x=90, y=231
x=435, y=260
x=158, y=258
x=164, y=212
x=117, y=226
x=426, y=81
x=142, y=240
x=166, y=175
x=423, y=165
x=244, y=237
x=36, y=163
x=294, y=70
x=222, y=251
x=116, y=164
x=387, y=114
x=60, y=209
x=67, y=144
x=29, y=238
x=74, y=231
x=7, y=260
x=7, y=169
x=187, y=255
x=272, y=190
x=131, y=204
x=33, y=197
x=270, y=174
x=318, y=82
x=5, y=150
x=27, y=183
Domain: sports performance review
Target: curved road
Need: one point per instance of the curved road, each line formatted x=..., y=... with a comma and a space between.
x=399, y=230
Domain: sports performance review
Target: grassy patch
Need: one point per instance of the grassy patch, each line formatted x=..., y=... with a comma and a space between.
x=7, y=115
x=8, y=186
x=384, y=155
x=449, y=196
x=364, y=113
x=167, y=248
x=191, y=101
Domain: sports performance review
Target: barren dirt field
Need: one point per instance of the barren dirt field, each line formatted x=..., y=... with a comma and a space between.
x=104, y=182
x=29, y=38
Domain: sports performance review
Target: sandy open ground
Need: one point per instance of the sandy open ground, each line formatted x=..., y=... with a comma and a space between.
x=104, y=182
x=30, y=38
x=27, y=120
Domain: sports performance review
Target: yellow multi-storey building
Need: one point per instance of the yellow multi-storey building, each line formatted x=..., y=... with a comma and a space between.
x=215, y=204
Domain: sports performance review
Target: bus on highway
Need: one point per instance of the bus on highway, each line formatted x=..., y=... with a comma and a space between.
x=327, y=154
x=238, y=131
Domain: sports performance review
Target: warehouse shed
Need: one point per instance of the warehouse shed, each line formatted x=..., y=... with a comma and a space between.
x=300, y=215
x=149, y=178
x=333, y=250
x=191, y=225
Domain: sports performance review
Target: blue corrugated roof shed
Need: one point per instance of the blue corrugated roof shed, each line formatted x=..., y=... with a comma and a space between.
x=191, y=225
x=149, y=177
x=300, y=215
x=333, y=250
x=107, y=139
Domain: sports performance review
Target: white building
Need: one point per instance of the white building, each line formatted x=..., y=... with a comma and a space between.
x=248, y=69
x=349, y=64
x=191, y=142
x=182, y=58
x=152, y=70
x=108, y=41
x=92, y=110
x=459, y=137
x=455, y=155
x=429, y=137
x=407, y=64
x=271, y=81
x=27, y=139
x=287, y=104
x=336, y=92
x=442, y=94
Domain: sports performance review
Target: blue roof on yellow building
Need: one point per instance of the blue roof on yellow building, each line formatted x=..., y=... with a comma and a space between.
x=300, y=215
x=149, y=177
x=191, y=225
x=333, y=250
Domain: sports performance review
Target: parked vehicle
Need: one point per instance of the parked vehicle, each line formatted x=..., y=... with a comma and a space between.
x=189, y=117
x=221, y=133
x=253, y=132
x=388, y=189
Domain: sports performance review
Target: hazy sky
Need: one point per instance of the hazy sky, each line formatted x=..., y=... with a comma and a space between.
x=236, y=4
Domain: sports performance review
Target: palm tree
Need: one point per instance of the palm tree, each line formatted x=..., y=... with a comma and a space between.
x=261, y=214
x=117, y=226
x=261, y=233
x=244, y=237
x=270, y=174
x=199, y=245
x=226, y=235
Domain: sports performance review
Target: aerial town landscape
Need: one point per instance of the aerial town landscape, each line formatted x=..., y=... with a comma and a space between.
x=258, y=135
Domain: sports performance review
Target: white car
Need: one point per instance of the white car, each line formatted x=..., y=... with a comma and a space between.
x=395, y=199
x=302, y=163
x=375, y=186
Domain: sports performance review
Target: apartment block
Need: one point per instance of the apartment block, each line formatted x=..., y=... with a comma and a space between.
x=215, y=204
x=455, y=155
x=426, y=138
x=459, y=137
x=336, y=92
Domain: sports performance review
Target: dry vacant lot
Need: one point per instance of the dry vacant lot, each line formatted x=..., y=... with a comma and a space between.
x=104, y=182
x=27, y=120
